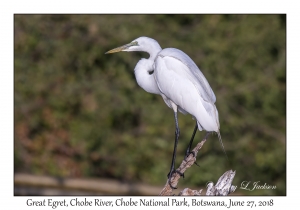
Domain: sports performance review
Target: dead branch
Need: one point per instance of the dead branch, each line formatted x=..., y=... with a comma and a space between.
x=185, y=164
x=223, y=186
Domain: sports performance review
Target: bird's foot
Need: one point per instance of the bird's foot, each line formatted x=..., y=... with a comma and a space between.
x=170, y=176
x=174, y=188
x=174, y=171
x=188, y=153
x=194, y=155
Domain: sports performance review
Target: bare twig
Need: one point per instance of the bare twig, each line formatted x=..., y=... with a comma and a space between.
x=223, y=186
x=185, y=164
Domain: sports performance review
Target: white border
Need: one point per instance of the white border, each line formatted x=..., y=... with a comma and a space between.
x=8, y=8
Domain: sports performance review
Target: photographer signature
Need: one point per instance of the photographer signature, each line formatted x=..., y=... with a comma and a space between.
x=246, y=185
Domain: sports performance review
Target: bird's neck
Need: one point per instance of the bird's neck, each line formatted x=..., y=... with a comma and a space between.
x=153, y=51
x=144, y=76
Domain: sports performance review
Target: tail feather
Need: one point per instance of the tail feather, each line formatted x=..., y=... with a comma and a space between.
x=220, y=139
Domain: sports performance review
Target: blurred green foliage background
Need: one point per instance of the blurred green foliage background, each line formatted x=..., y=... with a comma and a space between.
x=80, y=113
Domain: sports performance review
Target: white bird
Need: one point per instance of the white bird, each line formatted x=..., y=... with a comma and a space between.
x=173, y=74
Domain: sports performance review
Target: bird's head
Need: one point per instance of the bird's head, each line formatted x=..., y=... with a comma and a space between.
x=144, y=44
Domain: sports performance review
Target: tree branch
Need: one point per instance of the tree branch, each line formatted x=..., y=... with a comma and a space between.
x=223, y=186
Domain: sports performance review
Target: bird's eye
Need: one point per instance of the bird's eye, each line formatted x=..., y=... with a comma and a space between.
x=135, y=43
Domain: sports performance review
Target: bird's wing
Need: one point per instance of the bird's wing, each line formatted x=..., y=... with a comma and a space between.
x=167, y=101
x=193, y=73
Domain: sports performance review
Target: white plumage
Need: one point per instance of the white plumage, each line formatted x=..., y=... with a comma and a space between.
x=173, y=74
x=182, y=83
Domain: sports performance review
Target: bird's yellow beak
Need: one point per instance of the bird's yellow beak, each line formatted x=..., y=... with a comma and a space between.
x=124, y=47
x=118, y=49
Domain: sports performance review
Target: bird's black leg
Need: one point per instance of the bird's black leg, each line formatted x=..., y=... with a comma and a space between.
x=206, y=135
x=172, y=170
x=188, y=151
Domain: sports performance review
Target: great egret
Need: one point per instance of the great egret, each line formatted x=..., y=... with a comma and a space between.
x=173, y=74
